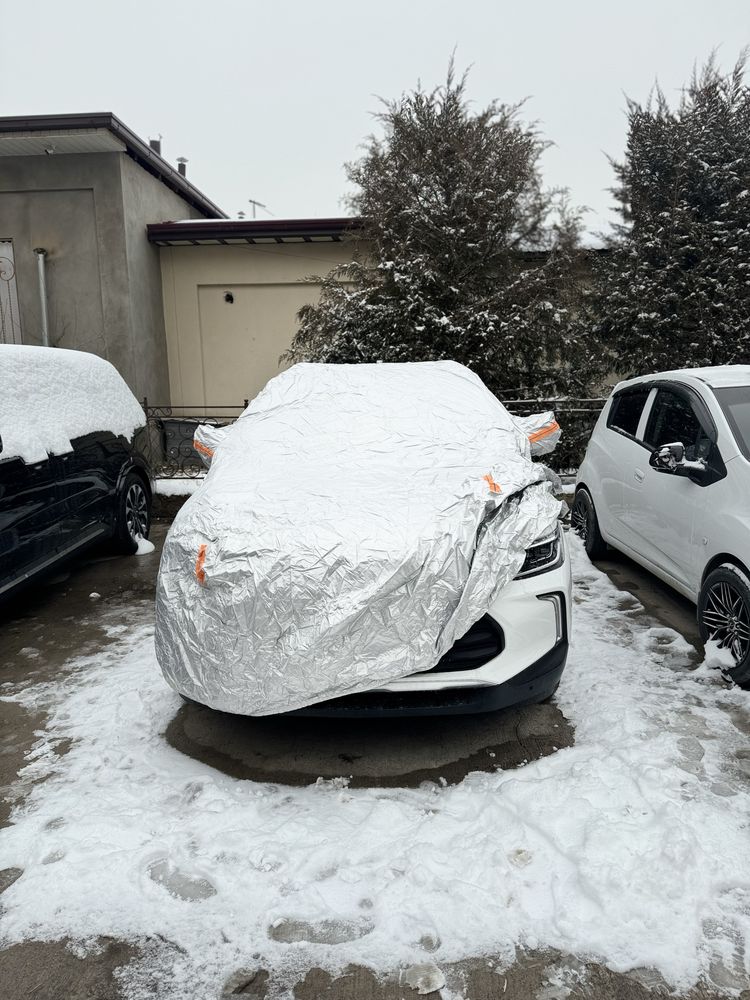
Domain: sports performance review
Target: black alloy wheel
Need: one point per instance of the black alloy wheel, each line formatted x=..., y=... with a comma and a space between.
x=136, y=511
x=724, y=617
x=584, y=522
x=133, y=514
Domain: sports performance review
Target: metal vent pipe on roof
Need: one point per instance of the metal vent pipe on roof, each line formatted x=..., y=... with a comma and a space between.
x=182, y=165
x=41, y=255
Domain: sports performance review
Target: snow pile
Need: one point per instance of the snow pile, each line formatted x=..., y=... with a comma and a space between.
x=180, y=486
x=144, y=546
x=49, y=397
x=629, y=848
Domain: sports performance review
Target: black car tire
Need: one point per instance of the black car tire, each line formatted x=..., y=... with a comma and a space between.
x=585, y=523
x=133, y=516
x=724, y=615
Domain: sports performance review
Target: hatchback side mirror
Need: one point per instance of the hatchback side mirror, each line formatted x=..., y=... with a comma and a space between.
x=668, y=457
x=671, y=458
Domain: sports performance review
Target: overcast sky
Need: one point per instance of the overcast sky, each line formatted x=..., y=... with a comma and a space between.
x=269, y=99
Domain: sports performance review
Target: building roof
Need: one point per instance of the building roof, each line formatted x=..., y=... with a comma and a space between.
x=230, y=232
x=100, y=132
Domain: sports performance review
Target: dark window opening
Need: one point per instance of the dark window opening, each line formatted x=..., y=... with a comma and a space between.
x=674, y=419
x=627, y=408
x=735, y=402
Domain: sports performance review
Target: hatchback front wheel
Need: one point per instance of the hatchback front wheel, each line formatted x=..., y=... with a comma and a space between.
x=724, y=617
x=585, y=524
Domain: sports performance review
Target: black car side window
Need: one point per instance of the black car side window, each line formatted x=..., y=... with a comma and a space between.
x=627, y=407
x=674, y=419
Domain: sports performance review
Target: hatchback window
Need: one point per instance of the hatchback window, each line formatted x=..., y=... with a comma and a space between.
x=673, y=419
x=735, y=402
x=627, y=408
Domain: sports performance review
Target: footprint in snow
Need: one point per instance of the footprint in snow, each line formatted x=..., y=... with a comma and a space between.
x=321, y=931
x=186, y=887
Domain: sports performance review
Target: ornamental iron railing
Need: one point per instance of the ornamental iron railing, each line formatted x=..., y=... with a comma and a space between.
x=169, y=436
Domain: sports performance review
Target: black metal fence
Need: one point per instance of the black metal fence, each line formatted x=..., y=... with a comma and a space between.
x=170, y=430
x=169, y=436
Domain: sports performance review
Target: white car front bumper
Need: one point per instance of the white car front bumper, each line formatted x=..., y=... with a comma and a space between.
x=532, y=620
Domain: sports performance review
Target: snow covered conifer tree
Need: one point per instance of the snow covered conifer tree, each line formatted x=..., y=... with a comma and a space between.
x=674, y=291
x=448, y=199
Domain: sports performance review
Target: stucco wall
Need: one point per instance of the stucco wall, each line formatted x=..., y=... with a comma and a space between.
x=90, y=211
x=220, y=352
x=72, y=206
x=146, y=199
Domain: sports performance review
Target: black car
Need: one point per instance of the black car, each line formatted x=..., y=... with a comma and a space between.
x=57, y=500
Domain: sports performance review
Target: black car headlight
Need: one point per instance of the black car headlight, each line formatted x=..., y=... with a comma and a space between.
x=543, y=556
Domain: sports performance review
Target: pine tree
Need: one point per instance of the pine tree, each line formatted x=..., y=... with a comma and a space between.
x=468, y=257
x=674, y=290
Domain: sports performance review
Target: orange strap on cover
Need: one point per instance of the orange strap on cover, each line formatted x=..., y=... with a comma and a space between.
x=544, y=432
x=200, y=573
x=494, y=487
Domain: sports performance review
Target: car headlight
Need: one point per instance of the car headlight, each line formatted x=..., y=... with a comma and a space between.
x=544, y=555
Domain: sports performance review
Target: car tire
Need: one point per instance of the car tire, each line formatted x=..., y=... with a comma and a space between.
x=724, y=615
x=133, y=515
x=585, y=524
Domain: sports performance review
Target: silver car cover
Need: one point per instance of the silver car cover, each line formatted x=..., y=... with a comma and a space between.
x=354, y=522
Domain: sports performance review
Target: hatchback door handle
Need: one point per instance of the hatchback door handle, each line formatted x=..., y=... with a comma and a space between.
x=639, y=476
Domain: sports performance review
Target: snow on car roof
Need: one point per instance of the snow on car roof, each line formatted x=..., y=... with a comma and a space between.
x=721, y=375
x=50, y=396
x=717, y=376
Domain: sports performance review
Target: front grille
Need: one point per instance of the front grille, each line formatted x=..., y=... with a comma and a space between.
x=482, y=643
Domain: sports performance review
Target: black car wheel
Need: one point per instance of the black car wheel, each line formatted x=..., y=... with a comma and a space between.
x=724, y=616
x=133, y=513
x=584, y=522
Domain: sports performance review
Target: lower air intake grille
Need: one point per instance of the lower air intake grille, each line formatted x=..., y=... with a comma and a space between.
x=482, y=643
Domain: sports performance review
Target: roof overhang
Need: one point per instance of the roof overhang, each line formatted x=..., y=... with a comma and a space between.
x=101, y=132
x=235, y=232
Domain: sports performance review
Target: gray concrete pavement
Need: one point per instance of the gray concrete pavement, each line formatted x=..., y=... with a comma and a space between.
x=54, y=621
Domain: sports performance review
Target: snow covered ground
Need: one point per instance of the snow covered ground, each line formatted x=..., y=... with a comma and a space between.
x=180, y=486
x=629, y=848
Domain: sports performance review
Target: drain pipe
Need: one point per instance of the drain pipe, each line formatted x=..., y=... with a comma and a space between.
x=41, y=255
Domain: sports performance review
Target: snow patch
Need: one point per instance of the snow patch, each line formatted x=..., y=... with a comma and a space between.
x=425, y=977
x=144, y=546
x=627, y=848
x=178, y=487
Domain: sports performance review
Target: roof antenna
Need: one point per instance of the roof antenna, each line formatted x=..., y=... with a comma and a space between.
x=258, y=204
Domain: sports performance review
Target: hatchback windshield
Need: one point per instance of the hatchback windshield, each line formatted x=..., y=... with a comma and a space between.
x=735, y=402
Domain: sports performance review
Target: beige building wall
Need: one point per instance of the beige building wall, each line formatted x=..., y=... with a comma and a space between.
x=220, y=352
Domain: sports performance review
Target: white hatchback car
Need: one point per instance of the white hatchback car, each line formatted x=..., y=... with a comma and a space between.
x=666, y=480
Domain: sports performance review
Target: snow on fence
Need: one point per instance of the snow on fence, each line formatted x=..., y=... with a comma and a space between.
x=170, y=431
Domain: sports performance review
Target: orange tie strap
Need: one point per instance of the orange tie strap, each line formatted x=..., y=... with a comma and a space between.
x=494, y=487
x=544, y=432
x=200, y=573
x=203, y=448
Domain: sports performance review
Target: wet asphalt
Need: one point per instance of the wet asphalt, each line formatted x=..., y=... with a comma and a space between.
x=64, y=617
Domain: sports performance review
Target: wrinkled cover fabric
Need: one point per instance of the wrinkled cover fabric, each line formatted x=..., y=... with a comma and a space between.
x=542, y=430
x=354, y=522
